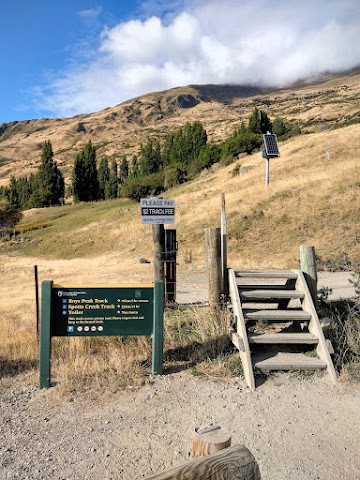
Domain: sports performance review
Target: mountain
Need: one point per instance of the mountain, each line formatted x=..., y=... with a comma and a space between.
x=328, y=102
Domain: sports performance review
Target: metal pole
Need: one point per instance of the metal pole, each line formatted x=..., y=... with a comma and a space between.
x=267, y=180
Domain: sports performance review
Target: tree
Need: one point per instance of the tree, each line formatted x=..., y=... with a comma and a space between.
x=279, y=127
x=124, y=169
x=111, y=188
x=49, y=179
x=103, y=177
x=150, y=158
x=241, y=143
x=259, y=122
x=84, y=175
x=13, y=192
x=139, y=187
x=135, y=172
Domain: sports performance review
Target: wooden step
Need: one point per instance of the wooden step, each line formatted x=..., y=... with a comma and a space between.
x=275, y=274
x=287, y=361
x=262, y=286
x=283, y=338
x=270, y=294
x=277, y=315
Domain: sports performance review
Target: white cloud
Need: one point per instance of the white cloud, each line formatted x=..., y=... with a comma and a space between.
x=261, y=42
x=92, y=12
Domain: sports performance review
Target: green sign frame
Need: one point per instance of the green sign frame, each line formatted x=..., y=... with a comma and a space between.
x=101, y=310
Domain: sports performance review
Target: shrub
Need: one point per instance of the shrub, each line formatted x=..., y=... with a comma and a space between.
x=9, y=217
x=242, y=142
x=140, y=187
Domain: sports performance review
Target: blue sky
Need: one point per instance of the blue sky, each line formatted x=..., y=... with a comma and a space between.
x=78, y=56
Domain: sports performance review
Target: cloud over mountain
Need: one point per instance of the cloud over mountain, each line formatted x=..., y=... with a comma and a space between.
x=203, y=41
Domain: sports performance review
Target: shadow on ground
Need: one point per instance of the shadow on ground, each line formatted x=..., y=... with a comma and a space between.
x=10, y=368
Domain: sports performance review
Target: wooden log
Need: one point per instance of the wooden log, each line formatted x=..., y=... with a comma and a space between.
x=235, y=463
x=309, y=269
x=159, y=251
x=209, y=440
x=213, y=258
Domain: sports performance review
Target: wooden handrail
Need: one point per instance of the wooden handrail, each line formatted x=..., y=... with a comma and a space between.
x=235, y=462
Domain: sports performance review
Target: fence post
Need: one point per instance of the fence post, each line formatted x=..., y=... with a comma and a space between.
x=224, y=270
x=45, y=335
x=158, y=332
x=37, y=299
x=213, y=257
x=308, y=267
x=159, y=250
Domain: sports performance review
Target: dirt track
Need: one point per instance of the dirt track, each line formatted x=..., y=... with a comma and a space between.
x=298, y=429
x=188, y=283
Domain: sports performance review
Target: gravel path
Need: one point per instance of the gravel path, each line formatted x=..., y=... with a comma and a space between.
x=190, y=283
x=297, y=428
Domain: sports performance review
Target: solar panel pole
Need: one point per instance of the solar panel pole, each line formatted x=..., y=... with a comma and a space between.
x=271, y=150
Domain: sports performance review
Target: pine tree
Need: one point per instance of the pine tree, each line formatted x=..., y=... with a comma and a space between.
x=13, y=193
x=135, y=172
x=103, y=177
x=111, y=188
x=124, y=170
x=50, y=180
x=150, y=158
x=259, y=122
x=84, y=175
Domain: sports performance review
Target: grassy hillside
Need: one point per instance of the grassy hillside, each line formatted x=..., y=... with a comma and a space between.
x=313, y=197
x=119, y=130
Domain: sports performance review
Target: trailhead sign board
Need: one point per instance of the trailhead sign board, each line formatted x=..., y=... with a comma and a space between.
x=100, y=310
x=157, y=211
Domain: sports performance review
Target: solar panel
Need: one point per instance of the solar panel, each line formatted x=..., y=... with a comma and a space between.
x=271, y=145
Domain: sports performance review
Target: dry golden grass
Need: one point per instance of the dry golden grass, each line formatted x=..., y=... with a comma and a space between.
x=193, y=337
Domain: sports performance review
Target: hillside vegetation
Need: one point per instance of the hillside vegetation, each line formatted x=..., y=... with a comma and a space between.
x=313, y=197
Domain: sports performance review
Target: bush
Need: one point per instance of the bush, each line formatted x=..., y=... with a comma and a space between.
x=344, y=332
x=9, y=217
x=241, y=143
x=140, y=187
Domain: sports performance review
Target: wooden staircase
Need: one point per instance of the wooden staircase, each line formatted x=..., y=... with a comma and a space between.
x=275, y=325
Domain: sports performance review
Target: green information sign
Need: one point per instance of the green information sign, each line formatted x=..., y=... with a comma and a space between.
x=100, y=310
x=95, y=310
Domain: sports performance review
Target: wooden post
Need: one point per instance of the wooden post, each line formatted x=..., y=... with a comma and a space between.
x=235, y=463
x=210, y=439
x=213, y=257
x=37, y=299
x=308, y=267
x=224, y=270
x=159, y=250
